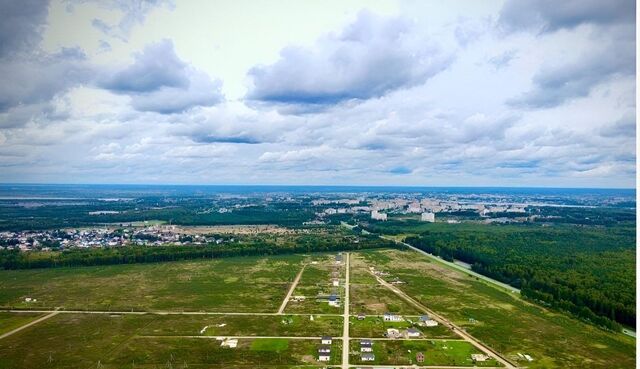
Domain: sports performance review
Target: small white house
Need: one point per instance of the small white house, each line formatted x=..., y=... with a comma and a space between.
x=412, y=332
x=229, y=342
x=366, y=346
x=479, y=357
x=430, y=323
x=333, y=300
x=324, y=357
x=393, y=333
x=428, y=217
x=388, y=317
x=326, y=340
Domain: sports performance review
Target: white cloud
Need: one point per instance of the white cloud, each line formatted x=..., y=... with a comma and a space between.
x=370, y=57
x=401, y=97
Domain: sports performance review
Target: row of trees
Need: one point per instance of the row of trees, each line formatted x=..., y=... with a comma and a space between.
x=589, y=272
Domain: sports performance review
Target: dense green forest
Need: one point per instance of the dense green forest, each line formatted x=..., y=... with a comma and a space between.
x=586, y=270
x=267, y=245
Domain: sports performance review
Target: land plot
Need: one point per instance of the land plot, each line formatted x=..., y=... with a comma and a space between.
x=377, y=300
x=359, y=270
x=241, y=284
x=437, y=352
x=316, y=286
x=376, y=327
x=200, y=353
x=503, y=320
x=69, y=341
x=244, y=325
x=11, y=321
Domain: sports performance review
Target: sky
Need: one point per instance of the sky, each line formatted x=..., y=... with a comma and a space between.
x=417, y=93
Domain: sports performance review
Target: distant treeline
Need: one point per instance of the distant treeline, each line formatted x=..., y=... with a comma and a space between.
x=50, y=215
x=12, y=259
x=588, y=271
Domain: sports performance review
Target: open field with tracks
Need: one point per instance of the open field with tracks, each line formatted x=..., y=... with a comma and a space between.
x=315, y=282
x=242, y=284
x=503, y=320
x=183, y=312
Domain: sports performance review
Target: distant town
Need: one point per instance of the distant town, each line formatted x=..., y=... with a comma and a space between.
x=103, y=229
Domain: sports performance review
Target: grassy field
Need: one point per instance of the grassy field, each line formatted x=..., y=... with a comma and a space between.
x=504, y=321
x=377, y=300
x=69, y=341
x=390, y=352
x=244, y=325
x=9, y=321
x=174, y=352
x=359, y=271
x=121, y=341
x=372, y=327
x=368, y=297
x=316, y=280
x=256, y=284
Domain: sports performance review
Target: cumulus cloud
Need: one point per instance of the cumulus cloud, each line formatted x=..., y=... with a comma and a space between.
x=624, y=127
x=21, y=24
x=159, y=81
x=554, y=85
x=32, y=78
x=549, y=15
x=36, y=79
x=232, y=123
x=299, y=155
x=134, y=12
x=383, y=104
x=370, y=57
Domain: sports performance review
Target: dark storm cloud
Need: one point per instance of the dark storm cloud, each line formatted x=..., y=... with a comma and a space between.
x=159, y=81
x=369, y=58
x=551, y=15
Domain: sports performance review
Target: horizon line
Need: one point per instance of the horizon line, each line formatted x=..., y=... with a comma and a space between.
x=306, y=185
